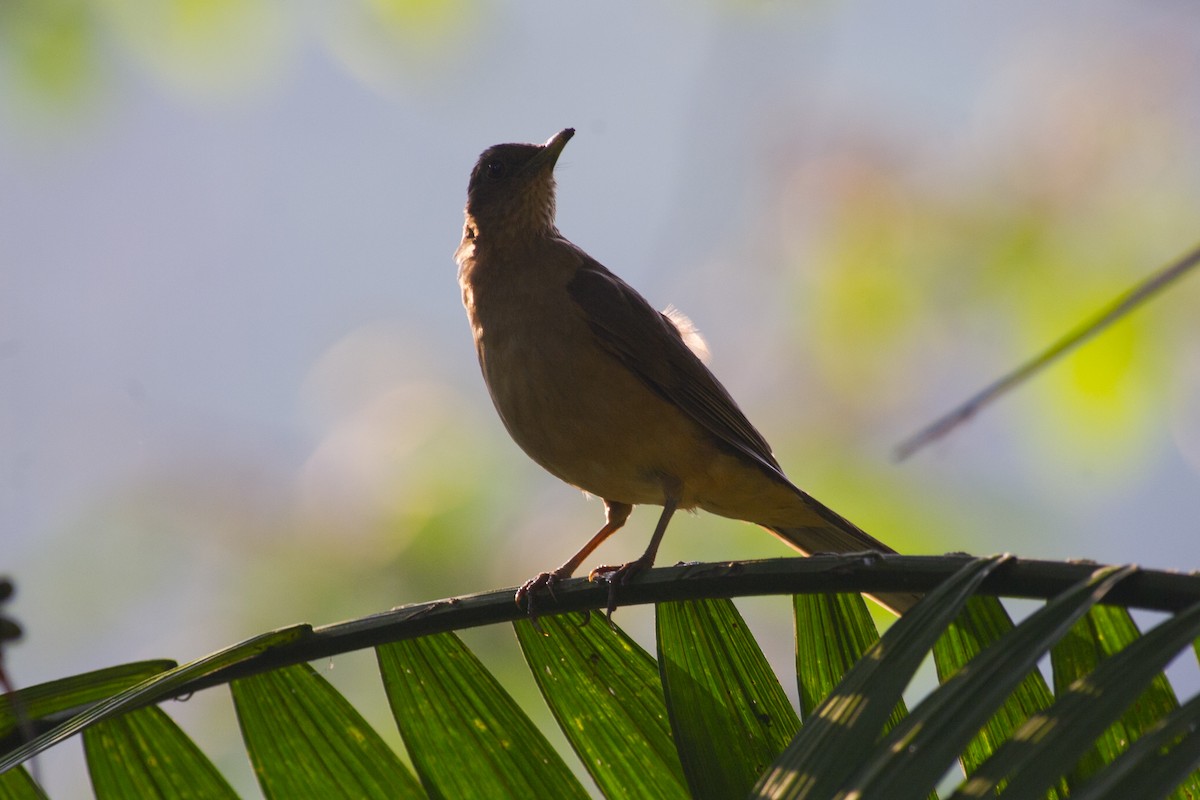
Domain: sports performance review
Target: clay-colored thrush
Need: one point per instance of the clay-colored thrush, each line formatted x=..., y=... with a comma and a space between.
x=604, y=391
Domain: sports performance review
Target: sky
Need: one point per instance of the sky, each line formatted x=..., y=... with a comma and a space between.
x=237, y=389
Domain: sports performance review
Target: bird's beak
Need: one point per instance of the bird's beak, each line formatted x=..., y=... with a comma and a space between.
x=552, y=148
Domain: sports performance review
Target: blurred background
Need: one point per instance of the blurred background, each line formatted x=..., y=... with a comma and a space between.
x=237, y=389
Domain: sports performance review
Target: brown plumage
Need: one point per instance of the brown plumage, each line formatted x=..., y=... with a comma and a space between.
x=604, y=391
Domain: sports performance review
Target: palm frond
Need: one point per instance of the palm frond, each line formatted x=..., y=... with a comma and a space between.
x=707, y=717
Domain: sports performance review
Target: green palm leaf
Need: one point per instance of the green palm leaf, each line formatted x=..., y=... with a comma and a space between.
x=983, y=623
x=144, y=754
x=607, y=698
x=306, y=741
x=917, y=752
x=465, y=734
x=16, y=784
x=841, y=732
x=1105, y=631
x=1065, y=731
x=705, y=720
x=1165, y=757
x=717, y=680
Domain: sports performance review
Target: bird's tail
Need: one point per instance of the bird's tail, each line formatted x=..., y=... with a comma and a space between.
x=833, y=533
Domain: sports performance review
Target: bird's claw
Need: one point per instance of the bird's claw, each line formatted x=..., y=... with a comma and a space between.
x=543, y=580
x=528, y=591
x=616, y=575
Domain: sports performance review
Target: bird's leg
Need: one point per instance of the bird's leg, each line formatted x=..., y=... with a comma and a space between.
x=615, y=515
x=622, y=574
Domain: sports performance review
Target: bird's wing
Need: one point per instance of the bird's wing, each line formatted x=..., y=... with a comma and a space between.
x=650, y=345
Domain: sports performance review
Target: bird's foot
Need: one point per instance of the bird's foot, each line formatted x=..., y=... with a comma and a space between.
x=615, y=576
x=528, y=592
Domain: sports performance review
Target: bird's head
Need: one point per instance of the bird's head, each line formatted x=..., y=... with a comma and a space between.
x=511, y=192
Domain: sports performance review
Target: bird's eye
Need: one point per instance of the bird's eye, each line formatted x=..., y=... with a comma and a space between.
x=495, y=169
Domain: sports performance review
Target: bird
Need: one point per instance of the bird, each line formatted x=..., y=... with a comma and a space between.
x=605, y=392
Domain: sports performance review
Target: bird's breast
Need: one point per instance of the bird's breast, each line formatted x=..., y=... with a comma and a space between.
x=569, y=405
